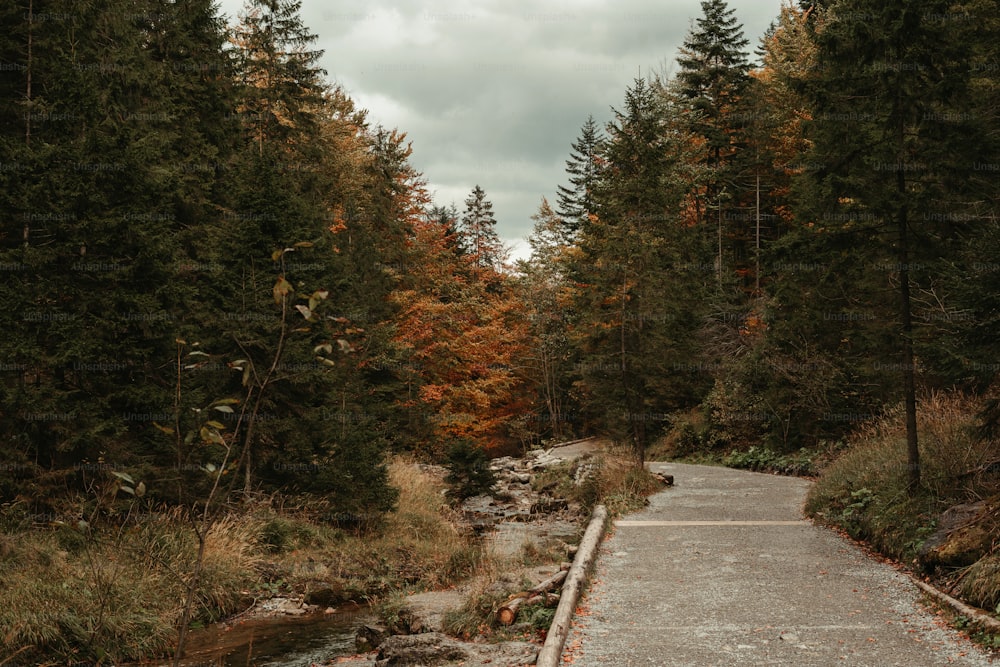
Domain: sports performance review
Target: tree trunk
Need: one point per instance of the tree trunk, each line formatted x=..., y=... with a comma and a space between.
x=28, y=106
x=906, y=339
x=508, y=612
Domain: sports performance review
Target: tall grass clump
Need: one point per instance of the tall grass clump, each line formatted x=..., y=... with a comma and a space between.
x=418, y=544
x=111, y=594
x=620, y=485
x=865, y=490
x=612, y=478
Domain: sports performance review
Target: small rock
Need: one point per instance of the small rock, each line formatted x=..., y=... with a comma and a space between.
x=327, y=595
x=666, y=480
x=285, y=606
x=432, y=648
x=369, y=638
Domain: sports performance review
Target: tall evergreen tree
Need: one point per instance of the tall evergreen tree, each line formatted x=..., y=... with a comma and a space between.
x=633, y=253
x=101, y=204
x=576, y=201
x=479, y=238
x=713, y=76
x=713, y=81
x=896, y=147
x=447, y=217
x=282, y=85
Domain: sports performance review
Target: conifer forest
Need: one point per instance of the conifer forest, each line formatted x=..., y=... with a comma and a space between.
x=223, y=283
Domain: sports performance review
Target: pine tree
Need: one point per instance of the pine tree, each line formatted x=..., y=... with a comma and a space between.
x=576, y=202
x=712, y=84
x=896, y=148
x=713, y=76
x=282, y=84
x=637, y=302
x=447, y=218
x=479, y=238
x=99, y=209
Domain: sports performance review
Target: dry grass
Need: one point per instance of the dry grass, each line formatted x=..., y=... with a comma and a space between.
x=419, y=544
x=617, y=482
x=490, y=585
x=116, y=593
x=232, y=557
x=981, y=583
x=104, y=602
x=865, y=489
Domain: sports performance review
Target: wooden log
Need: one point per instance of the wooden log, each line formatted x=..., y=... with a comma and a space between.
x=508, y=612
x=551, y=653
x=540, y=594
x=549, y=584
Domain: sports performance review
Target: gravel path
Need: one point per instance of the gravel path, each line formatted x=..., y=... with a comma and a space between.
x=723, y=570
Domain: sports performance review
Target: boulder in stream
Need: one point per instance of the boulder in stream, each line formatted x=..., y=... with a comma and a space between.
x=369, y=637
x=431, y=648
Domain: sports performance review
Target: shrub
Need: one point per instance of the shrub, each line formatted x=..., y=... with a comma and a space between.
x=762, y=459
x=469, y=472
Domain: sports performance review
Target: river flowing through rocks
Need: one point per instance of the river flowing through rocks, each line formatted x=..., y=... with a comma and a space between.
x=285, y=633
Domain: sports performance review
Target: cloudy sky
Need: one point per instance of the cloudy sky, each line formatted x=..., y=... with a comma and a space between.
x=493, y=92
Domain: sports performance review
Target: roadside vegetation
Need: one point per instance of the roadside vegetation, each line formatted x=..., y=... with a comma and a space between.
x=866, y=493
x=115, y=593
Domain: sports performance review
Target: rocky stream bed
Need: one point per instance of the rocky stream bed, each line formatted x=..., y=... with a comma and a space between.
x=306, y=631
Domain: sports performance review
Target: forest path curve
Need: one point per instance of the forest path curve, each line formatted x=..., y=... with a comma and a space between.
x=722, y=569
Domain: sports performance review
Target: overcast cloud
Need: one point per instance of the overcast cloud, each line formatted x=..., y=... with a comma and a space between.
x=494, y=92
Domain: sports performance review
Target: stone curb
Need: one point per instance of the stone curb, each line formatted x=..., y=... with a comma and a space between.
x=976, y=616
x=551, y=653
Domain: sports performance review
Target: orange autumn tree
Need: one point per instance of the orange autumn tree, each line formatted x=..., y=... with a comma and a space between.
x=464, y=333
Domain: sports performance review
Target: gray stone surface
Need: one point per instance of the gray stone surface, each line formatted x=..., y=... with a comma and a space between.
x=722, y=570
x=427, y=649
x=437, y=649
x=428, y=609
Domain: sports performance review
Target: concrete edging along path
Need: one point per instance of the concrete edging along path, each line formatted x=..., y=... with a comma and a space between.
x=722, y=569
x=551, y=652
x=975, y=616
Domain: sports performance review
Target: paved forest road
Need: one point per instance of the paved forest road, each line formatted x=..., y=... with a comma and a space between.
x=723, y=570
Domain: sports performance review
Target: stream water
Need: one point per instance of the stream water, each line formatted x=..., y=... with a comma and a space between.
x=275, y=642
